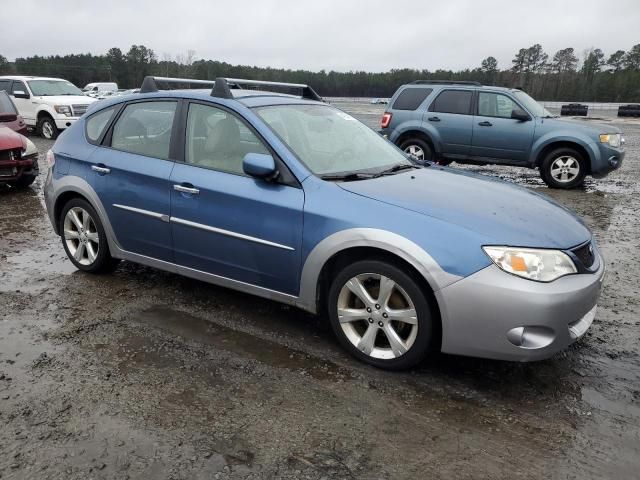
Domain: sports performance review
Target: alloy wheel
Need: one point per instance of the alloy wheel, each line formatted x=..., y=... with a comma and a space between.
x=565, y=168
x=377, y=316
x=81, y=236
x=47, y=130
x=415, y=151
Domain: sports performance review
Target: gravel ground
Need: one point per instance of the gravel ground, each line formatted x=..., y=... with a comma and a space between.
x=145, y=374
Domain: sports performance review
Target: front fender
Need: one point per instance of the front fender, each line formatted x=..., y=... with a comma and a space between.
x=564, y=137
x=367, y=237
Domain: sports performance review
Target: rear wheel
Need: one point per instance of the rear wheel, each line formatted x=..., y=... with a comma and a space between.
x=84, y=238
x=380, y=314
x=24, y=181
x=563, y=168
x=418, y=149
x=47, y=127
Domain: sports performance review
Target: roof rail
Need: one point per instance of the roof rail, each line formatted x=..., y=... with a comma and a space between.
x=219, y=89
x=222, y=86
x=445, y=82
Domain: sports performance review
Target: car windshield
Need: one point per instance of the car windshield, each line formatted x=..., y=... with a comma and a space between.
x=6, y=105
x=329, y=141
x=530, y=104
x=43, y=88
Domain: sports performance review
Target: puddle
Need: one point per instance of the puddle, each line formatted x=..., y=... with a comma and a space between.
x=265, y=351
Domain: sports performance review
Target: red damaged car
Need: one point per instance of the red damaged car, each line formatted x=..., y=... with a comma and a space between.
x=18, y=159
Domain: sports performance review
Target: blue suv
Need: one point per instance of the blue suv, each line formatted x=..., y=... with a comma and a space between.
x=467, y=122
x=291, y=199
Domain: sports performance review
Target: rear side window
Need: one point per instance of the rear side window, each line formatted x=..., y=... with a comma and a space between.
x=452, y=101
x=145, y=128
x=97, y=122
x=411, y=98
x=6, y=105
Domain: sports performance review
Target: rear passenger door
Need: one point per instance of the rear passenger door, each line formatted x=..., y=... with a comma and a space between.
x=225, y=222
x=496, y=135
x=131, y=172
x=451, y=115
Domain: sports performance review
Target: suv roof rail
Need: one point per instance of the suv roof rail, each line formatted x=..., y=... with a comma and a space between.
x=445, y=82
x=221, y=86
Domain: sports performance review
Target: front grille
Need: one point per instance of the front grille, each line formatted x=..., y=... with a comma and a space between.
x=79, y=110
x=14, y=154
x=585, y=254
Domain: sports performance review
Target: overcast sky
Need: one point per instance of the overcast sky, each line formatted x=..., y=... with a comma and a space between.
x=373, y=35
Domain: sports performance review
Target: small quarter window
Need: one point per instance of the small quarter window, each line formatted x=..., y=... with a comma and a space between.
x=452, y=101
x=411, y=98
x=97, y=122
x=145, y=128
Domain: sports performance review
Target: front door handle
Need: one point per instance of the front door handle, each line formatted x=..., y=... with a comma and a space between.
x=101, y=169
x=186, y=188
x=485, y=124
x=434, y=119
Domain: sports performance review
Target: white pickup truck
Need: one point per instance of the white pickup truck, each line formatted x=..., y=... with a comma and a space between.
x=47, y=104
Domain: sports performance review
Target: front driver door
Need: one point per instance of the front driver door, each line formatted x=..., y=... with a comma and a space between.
x=498, y=136
x=26, y=106
x=227, y=223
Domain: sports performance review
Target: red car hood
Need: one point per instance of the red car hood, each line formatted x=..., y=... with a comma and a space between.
x=10, y=139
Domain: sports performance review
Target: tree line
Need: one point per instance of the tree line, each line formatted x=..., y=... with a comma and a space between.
x=563, y=76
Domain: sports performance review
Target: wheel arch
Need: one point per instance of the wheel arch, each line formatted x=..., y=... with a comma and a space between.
x=413, y=133
x=553, y=145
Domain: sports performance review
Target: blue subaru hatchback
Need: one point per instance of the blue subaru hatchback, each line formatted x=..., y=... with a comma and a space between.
x=288, y=198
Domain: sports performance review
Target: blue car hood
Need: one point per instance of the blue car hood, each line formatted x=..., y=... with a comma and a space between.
x=503, y=213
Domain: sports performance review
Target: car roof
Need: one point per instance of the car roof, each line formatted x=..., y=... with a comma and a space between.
x=459, y=85
x=29, y=77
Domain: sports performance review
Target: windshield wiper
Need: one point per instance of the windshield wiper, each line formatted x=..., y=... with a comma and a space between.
x=396, y=168
x=347, y=177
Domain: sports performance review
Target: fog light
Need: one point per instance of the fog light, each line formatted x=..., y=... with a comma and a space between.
x=531, y=337
x=613, y=161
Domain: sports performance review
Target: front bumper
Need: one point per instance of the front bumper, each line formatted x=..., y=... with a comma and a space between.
x=483, y=314
x=12, y=170
x=610, y=159
x=65, y=122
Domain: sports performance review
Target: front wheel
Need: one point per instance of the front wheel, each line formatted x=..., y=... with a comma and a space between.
x=84, y=238
x=380, y=315
x=47, y=128
x=563, y=168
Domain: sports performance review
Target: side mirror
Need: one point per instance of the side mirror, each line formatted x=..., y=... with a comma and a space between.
x=259, y=165
x=8, y=117
x=20, y=94
x=519, y=114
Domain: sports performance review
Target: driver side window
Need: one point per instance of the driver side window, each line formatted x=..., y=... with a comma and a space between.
x=144, y=128
x=495, y=105
x=216, y=139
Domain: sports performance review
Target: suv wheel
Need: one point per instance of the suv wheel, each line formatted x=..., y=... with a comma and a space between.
x=563, y=168
x=84, y=239
x=47, y=128
x=418, y=149
x=380, y=315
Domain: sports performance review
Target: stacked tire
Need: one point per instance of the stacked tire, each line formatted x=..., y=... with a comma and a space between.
x=629, y=110
x=574, y=110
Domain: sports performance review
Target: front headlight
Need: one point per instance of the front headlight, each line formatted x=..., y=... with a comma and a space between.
x=613, y=139
x=63, y=109
x=534, y=264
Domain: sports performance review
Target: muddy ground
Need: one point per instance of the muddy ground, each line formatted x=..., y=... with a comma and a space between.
x=143, y=374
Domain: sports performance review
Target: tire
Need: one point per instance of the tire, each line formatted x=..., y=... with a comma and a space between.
x=23, y=182
x=563, y=168
x=47, y=128
x=366, y=337
x=85, y=235
x=417, y=148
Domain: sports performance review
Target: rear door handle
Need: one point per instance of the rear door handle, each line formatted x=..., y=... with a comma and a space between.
x=485, y=124
x=100, y=169
x=186, y=188
x=434, y=119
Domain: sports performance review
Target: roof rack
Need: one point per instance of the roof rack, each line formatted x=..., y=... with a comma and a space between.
x=222, y=86
x=445, y=82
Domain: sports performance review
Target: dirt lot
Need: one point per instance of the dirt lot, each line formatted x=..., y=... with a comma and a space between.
x=144, y=374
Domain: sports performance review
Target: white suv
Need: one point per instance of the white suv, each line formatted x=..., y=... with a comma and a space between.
x=48, y=104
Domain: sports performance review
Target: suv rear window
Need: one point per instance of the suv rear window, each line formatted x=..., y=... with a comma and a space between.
x=452, y=101
x=6, y=105
x=411, y=98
